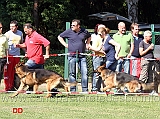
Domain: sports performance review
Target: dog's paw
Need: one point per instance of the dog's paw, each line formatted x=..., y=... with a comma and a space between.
x=48, y=95
x=12, y=96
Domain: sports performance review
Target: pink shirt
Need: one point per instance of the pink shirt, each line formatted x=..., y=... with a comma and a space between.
x=34, y=44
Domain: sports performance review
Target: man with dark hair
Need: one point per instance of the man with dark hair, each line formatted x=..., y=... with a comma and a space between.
x=78, y=40
x=34, y=43
x=14, y=36
x=136, y=57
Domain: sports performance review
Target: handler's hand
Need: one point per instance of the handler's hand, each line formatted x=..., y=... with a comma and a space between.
x=46, y=57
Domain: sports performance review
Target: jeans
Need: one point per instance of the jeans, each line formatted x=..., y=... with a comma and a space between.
x=125, y=64
x=82, y=64
x=97, y=80
x=111, y=65
x=32, y=65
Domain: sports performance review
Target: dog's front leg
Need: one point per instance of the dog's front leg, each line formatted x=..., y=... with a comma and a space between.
x=35, y=88
x=21, y=87
x=105, y=89
x=108, y=86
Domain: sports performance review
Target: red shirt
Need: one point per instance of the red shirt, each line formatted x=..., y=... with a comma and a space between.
x=34, y=44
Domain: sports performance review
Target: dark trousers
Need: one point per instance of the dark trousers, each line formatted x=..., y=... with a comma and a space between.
x=2, y=63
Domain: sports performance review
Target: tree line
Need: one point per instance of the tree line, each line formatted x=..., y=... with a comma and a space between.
x=50, y=16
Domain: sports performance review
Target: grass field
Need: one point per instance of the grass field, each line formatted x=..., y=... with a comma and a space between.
x=87, y=106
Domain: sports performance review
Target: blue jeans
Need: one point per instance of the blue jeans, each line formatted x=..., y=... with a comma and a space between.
x=32, y=65
x=82, y=64
x=125, y=64
x=111, y=65
x=97, y=80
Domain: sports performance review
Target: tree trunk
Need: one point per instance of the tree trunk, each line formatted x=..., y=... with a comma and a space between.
x=133, y=10
x=35, y=14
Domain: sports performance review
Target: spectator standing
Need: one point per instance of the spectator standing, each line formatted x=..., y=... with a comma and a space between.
x=146, y=48
x=110, y=47
x=3, y=51
x=78, y=40
x=127, y=45
x=98, y=58
x=14, y=36
x=135, y=61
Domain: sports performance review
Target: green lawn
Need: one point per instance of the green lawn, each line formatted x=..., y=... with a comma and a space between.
x=35, y=106
x=82, y=106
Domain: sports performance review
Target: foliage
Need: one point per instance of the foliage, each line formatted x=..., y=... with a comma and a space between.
x=149, y=12
x=56, y=63
x=52, y=15
x=16, y=10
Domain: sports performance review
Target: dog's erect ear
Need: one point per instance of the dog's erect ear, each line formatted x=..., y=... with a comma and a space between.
x=104, y=65
x=19, y=64
x=100, y=68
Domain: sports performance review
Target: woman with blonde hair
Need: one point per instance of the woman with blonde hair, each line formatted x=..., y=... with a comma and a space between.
x=110, y=47
x=98, y=58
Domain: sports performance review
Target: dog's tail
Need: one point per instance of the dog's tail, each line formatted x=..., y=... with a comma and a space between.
x=68, y=84
x=147, y=86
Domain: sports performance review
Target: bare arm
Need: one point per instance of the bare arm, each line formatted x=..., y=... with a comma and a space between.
x=47, y=52
x=88, y=43
x=131, y=50
x=61, y=40
x=21, y=45
x=117, y=47
x=143, y=52
x=6, y=50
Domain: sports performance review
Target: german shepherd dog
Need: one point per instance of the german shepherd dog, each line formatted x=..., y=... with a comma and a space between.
x=156, y=81
x=36, y=77
x=119, y=80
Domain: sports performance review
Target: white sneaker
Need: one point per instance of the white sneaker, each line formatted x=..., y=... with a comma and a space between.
x=154, y=93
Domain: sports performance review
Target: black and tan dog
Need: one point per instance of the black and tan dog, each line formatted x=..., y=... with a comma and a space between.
x=121, y=80
x=118, y=80
x=36, y=77
x=156, y=80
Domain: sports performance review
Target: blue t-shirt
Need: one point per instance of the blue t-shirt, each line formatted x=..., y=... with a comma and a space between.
x=109, y=49
x=76, y=40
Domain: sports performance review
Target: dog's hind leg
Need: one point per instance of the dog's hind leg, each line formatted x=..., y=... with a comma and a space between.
x=50, y=85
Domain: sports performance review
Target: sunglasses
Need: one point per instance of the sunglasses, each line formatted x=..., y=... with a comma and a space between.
x=1, y=27
x=73, y=25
